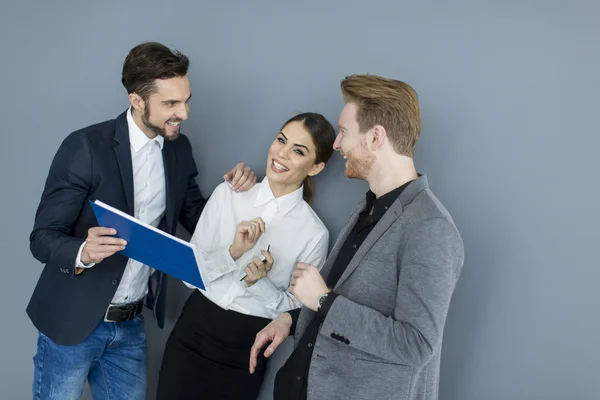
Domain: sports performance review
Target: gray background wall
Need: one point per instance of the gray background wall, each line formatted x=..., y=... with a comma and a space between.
x=509, y=92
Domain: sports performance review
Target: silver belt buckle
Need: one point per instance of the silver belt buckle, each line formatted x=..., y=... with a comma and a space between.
x=111, y=306
x=106, y=314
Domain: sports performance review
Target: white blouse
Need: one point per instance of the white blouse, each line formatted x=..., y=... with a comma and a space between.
x=293, y=230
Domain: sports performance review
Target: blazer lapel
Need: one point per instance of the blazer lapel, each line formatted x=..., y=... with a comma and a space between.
x=382, y=226
x=405, y=198
x=306, y=315
x=123, y=153
x=170, y=164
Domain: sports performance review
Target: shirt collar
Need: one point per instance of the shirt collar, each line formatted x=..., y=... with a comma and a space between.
x=284, y=203
x=382, y=204
x=137, y=138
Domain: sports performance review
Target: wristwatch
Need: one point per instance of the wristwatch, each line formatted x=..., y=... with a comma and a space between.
x=321, y=300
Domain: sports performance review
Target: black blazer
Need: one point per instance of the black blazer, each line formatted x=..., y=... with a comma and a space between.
x=95, y=163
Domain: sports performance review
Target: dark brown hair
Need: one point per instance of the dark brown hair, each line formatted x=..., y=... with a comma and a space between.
x=390, y=103
x=323, y=136
x=148, y=62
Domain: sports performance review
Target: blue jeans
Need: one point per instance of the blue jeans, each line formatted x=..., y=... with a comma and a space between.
x=112, y=358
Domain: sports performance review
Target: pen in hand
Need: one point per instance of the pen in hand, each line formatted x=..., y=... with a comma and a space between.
x=264, y=260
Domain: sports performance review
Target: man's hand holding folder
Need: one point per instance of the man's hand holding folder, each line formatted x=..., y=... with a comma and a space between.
x=146, y=244
x=99, y=244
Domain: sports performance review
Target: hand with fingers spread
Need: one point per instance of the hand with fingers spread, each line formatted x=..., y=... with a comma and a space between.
x=101, y=244
x=258, y=269
x=275, y=332
x=246, y=236
x=241, y=177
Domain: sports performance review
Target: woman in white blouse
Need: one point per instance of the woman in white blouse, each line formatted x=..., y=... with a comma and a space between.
x=206, y=356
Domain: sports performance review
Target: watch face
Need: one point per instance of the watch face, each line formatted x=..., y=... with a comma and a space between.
x=322, y=299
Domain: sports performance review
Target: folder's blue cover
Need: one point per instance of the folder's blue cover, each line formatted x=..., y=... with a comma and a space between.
x=151, y=246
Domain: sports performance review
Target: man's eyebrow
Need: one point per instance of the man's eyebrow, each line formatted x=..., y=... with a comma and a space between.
x=171, y=101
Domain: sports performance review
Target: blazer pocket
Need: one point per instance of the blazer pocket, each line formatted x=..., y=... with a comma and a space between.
x=381, y=380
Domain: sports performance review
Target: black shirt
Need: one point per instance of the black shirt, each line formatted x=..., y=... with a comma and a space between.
x=291, y=380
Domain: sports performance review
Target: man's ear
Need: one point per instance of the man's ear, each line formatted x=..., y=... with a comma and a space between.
x=378, y=135
x=136, y=101
x=316, y=169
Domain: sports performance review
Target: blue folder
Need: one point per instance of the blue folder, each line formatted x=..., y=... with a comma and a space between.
x=151, y=246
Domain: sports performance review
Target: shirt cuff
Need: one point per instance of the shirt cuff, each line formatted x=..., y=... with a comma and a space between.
x=327, y=303
x=78, y=262
x=216, y=264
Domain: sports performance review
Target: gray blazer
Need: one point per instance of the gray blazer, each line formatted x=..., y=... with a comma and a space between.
x=382, y=337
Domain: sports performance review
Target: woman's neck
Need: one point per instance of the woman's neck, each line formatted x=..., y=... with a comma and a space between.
x=280, y=190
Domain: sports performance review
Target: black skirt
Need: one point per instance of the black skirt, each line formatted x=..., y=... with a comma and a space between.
x=207, y=355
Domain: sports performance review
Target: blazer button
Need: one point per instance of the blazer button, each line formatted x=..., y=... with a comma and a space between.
x=66, y=271
x=114, y=282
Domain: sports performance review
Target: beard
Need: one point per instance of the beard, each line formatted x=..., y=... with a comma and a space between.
x=360, y=162
x=157, y=129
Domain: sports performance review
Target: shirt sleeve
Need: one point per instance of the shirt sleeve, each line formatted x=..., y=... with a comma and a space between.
x=214, y=260
x=78, y=262
x=279, y=301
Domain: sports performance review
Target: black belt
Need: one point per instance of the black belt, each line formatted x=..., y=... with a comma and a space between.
x=122, y=312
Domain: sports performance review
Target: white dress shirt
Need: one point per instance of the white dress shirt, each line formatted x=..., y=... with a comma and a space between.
x=293, y=230
x=149, y=193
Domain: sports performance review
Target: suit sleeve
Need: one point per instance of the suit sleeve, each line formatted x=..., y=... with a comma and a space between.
x=65, y=192
x=428, y=270
x=194, y=202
